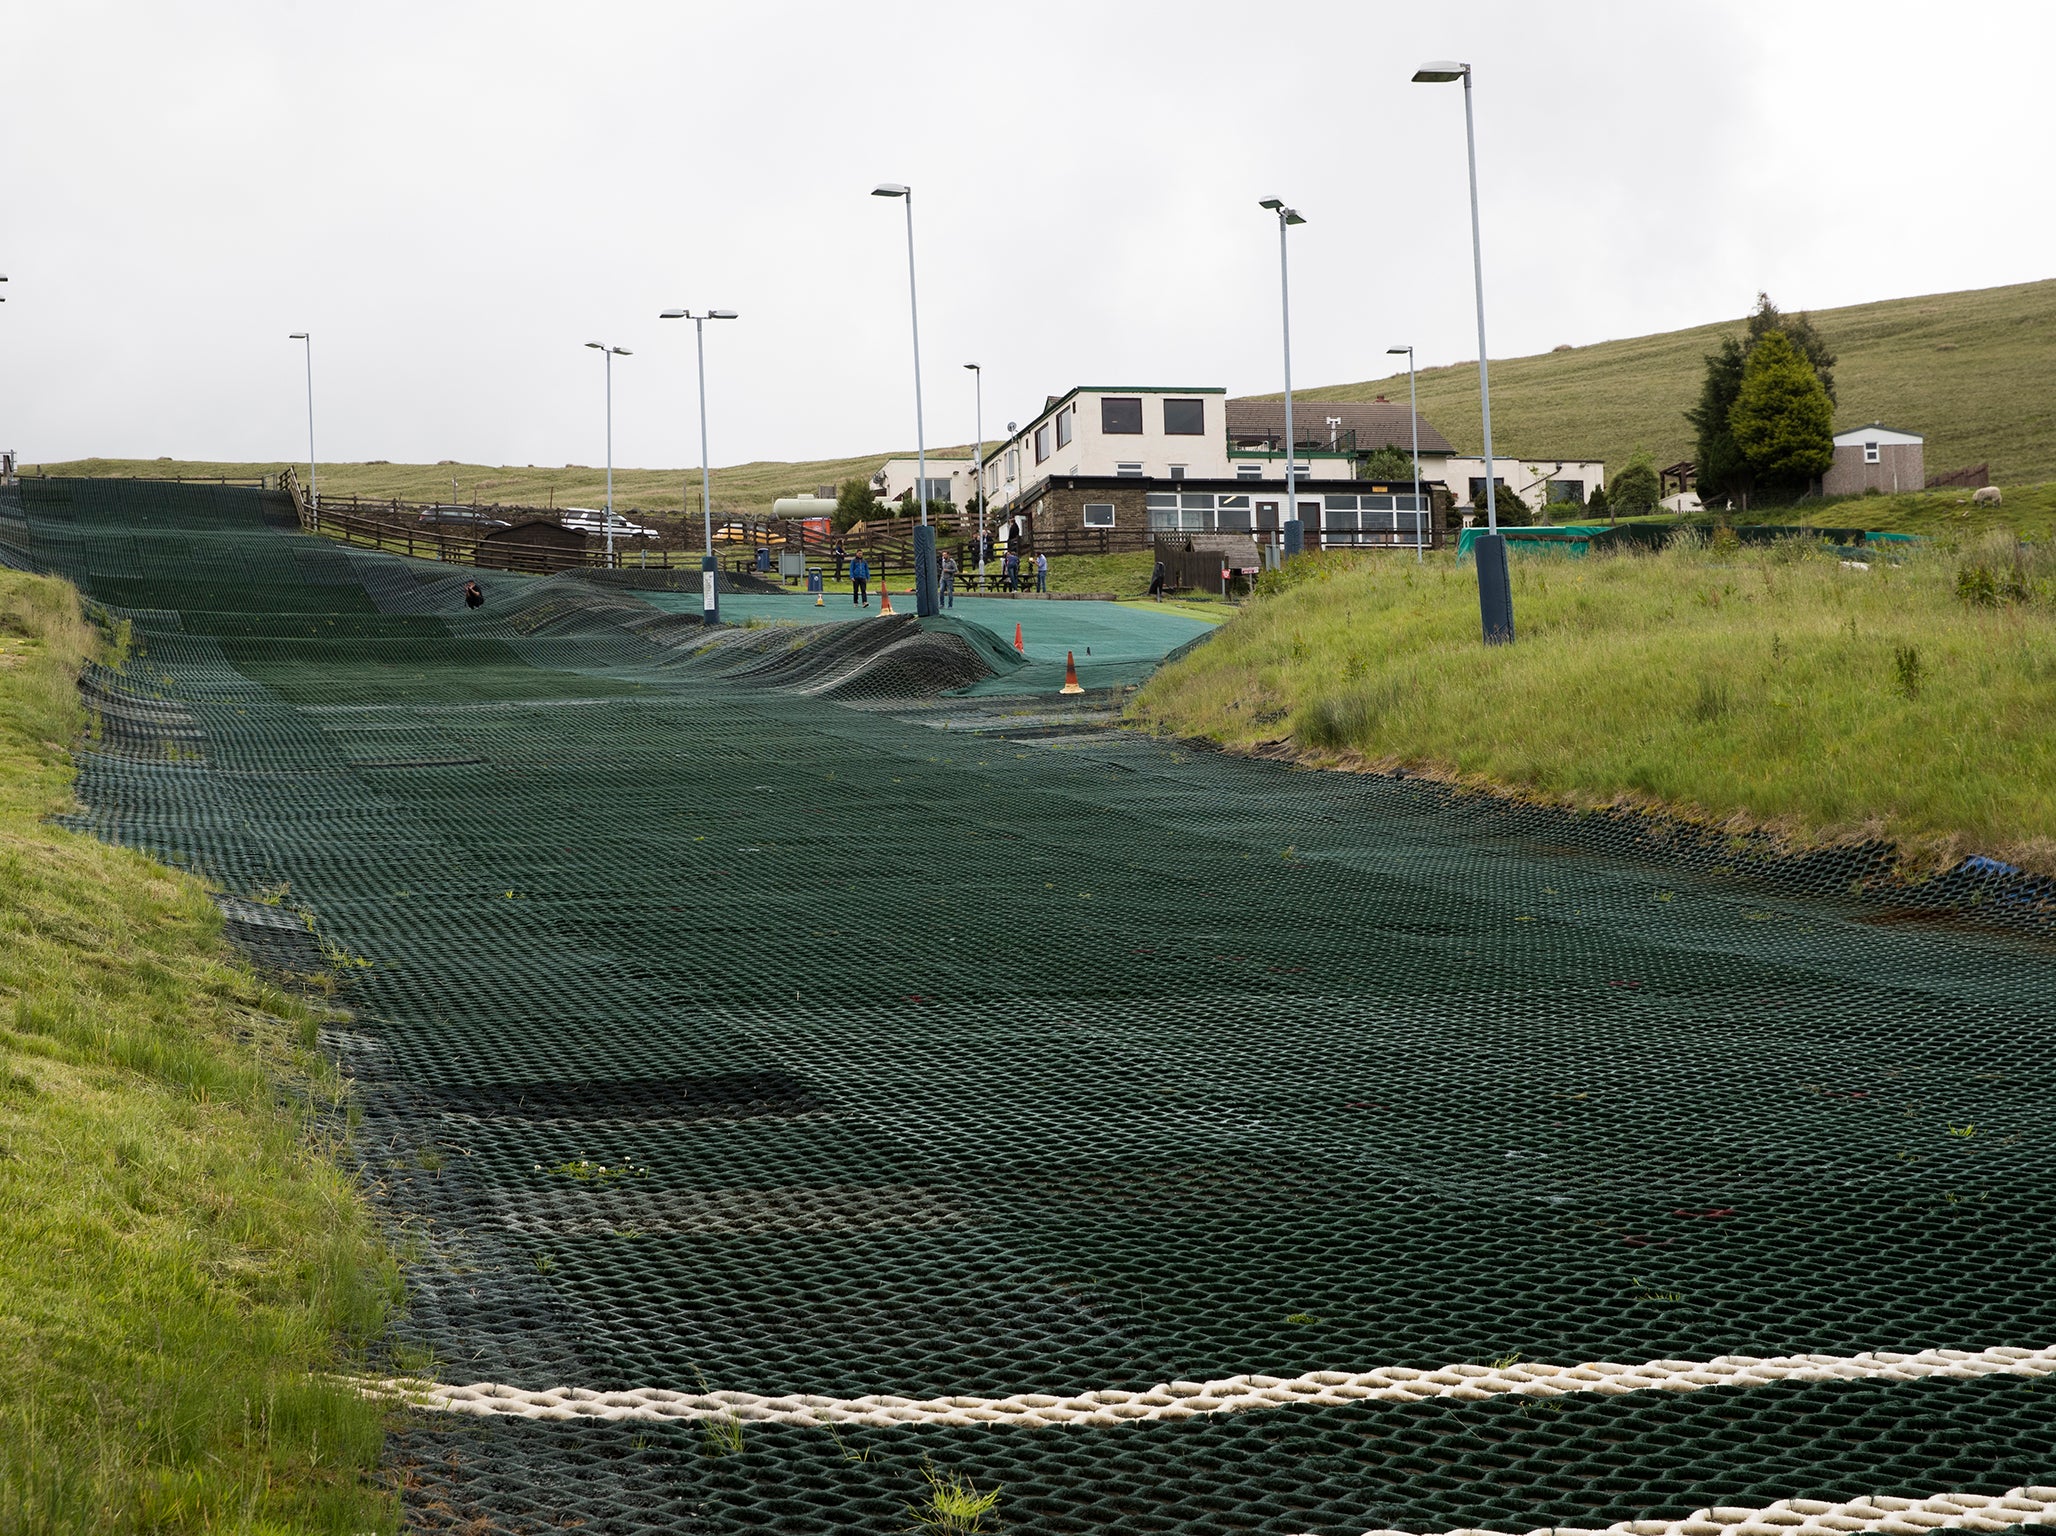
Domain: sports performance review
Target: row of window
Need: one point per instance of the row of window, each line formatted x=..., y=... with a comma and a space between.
x=1201, y=512
x=1120, y=416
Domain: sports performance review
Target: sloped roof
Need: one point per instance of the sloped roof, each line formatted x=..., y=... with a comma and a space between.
x=1376, y=423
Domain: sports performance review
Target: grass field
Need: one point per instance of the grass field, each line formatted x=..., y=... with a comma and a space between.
x=1968, y=370
x=1777, y=686
x=738, y=488
x=180, y=1257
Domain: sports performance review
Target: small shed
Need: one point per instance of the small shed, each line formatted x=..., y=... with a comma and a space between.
x=537, y=545
x=1876, y=457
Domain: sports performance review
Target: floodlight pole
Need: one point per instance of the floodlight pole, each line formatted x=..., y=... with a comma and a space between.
x=1495, y=590
x=313, y=473
x=925, y=603
x=978, y=463
x=1289, y=532
x=1413, y=403
x=709, y=598
x=610, y=353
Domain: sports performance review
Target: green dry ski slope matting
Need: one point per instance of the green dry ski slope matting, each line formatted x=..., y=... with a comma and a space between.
x=788, y=1079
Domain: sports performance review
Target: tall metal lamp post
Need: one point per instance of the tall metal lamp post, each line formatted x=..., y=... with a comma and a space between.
x=710, y=603
x=924, y=536
x=313, y=474
x=1495, y=590
x=1293, y=535
x=610, y=353
x=978, y=464
x=1414, y=408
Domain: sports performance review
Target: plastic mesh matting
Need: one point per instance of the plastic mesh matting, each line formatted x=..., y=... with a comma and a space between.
x=715, y=1034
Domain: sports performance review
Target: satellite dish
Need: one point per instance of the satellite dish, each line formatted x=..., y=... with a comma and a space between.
x=1013, y=427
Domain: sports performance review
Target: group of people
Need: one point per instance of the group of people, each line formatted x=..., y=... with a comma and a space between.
x=1012, y=577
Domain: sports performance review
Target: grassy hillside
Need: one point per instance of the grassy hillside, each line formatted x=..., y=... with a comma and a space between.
x=740, y=488
x=182, y=1261
x=1778, y=686
x=1971, y=371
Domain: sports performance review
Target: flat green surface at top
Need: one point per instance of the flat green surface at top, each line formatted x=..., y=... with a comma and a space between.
x=709, y=1031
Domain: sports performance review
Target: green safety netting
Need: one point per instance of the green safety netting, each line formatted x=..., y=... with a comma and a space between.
x=755, y=1012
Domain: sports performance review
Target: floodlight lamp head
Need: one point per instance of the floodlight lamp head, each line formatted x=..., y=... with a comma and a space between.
x=296, y=336
x=972, y=366
x=1441, y=72
x=723, y=314
x=1407, y=350
x=890, y=189
x=621, y=351
x=1272, y=203
x=1292, y=216
x=676, y=314
x=600, y=346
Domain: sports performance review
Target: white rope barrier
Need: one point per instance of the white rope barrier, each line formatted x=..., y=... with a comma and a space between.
x=1806, y=1517
x=1235, y=1394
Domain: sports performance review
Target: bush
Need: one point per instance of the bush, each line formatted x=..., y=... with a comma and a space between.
x=1635, y=487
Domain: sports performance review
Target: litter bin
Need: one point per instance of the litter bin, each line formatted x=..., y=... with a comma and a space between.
x=763, y=560
x=813, y=581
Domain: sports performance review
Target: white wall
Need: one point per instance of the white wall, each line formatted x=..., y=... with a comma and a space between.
x=1527, y=478
x=899, y=475
x=1092, y=451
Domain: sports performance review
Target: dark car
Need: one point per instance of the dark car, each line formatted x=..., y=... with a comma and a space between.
x=461, y=517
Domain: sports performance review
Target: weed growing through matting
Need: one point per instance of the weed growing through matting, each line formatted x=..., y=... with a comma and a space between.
x=955, y=1505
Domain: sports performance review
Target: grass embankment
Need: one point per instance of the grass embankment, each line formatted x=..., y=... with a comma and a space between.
x=1968, y=370
x=1774, y=686
x=179, y=1260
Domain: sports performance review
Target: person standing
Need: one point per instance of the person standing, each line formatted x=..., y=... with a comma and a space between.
x=1010, y=569
x=860, y=576
x=1041, y=572
x=839, y=558
x=949, y=581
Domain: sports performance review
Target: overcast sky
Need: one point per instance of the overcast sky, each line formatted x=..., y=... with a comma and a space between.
x=454, y=197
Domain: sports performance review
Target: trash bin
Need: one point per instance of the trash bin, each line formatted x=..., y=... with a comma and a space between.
x=813, y=581
x=763, y=560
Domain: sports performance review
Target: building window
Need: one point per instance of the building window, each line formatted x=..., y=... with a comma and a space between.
x=1042, y=442
x=1163, y=511
x=1099, y=514
x=1184, y=418
x=1234, y=514
x=1121, y=415
x=938, y=490
x=1249, y=471
x=1567, y=490
x=1870, y=453
x=1177, y=471
x=1128, y=471
x=1064, y=427
x=1478, y=490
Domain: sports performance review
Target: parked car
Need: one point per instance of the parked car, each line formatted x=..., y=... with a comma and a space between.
x=461, y=517
x=594, y=521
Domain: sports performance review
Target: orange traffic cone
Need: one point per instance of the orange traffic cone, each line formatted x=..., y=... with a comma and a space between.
x=884, y=601
x=1071, y=684
x=1018, y=646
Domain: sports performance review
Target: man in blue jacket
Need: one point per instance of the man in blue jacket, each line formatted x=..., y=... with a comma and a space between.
x=860, y=576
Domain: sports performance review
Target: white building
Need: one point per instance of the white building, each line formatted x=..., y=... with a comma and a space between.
x=1103, y=431
x=948, y=480
x=1537, y=482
